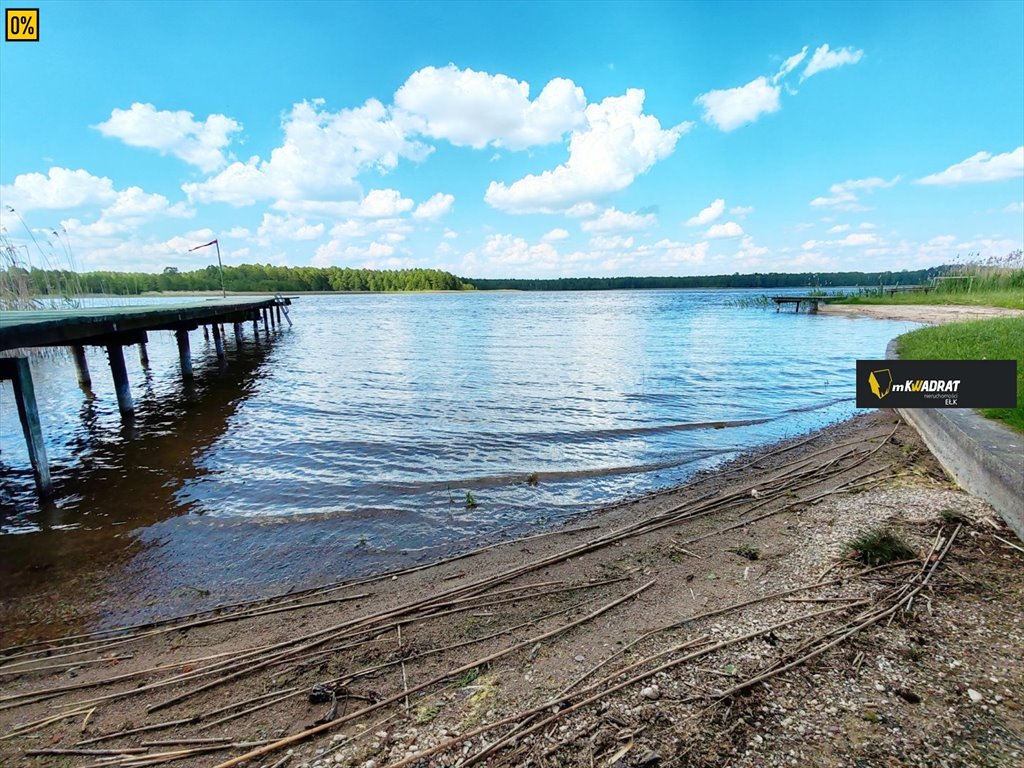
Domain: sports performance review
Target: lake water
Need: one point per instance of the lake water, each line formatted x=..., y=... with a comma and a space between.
x=350, y=441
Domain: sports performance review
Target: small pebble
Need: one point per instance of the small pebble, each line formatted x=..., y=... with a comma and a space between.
x=650, y=692
x=975, y=696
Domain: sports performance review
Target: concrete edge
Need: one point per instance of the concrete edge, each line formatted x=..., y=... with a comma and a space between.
x=985, y=457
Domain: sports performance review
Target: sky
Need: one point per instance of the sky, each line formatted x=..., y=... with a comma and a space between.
x=515, y=139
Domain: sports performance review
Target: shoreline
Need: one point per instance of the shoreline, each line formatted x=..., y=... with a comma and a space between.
x=787, y=503
x=932, y=314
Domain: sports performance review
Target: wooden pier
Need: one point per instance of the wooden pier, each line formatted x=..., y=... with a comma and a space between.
x=114, y=328
x=811, y=302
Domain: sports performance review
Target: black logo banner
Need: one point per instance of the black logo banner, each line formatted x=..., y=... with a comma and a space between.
x=936, y=383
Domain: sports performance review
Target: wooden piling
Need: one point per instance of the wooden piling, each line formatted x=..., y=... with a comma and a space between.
x=206, y=333
x=115, y=352
x=277, y=310
x=143, y=355
x=256, y=326
x=184, y=353
x=17, y=370
x=81, y=366
x=238, y=334
x=218, y=341
x=270, y=314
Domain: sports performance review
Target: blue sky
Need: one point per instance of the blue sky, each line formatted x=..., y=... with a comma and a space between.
x=539, y=140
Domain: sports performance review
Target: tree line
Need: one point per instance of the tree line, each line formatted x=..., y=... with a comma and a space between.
x=819, y=280
x=272, y=279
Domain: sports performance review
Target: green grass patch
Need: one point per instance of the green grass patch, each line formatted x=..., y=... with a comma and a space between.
x=880, y=547
x=1011, y=299
x=994, y=282
x=1000, y=338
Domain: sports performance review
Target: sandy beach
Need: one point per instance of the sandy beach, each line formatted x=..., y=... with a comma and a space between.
x=722, y=623
x=920, y=313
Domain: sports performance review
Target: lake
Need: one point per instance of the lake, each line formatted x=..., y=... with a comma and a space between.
x=350, y=442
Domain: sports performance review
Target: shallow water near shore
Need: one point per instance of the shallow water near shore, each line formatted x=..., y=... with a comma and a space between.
x=349, y=442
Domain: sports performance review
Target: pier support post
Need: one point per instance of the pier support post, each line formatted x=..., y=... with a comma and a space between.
x=218, y=342
x=266, y=321
x=206, y=333
x=81, y=366
x=270, y=314
x=277, y=309
x=238, y=334
x=124, y=392
x=184, y=353
x=17, y=370
x=143, y=355
x=256, y=326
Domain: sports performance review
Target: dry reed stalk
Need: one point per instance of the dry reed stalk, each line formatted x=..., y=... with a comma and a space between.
x=303, y=735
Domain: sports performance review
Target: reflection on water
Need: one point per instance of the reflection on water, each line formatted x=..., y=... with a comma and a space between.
x=350, y=441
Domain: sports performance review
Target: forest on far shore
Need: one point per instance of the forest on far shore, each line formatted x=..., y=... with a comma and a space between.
x=265, y=278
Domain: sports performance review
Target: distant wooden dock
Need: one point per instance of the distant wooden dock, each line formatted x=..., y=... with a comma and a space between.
x=115, y=328
x=811, y=302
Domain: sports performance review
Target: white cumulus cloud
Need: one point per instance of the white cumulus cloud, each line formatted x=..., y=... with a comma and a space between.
x=59, y=188
x=474, y=109
x=790, y=64
x=980, y=167
x=555, y=235
x=320, y=157
x=131, y=208
x=824, y=58
x=707, y=215
x=512, y=250
x=611, y=242
x=614, y=220
x=845, y=196
x=382, y=203
x=197, y=142
x=673, y=252
x=435, y=207
x=730, y=108
x=618, y=144
x=723, y=230
x=274, y=228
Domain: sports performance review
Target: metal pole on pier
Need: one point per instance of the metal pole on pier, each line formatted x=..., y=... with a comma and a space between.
x=220, y=264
